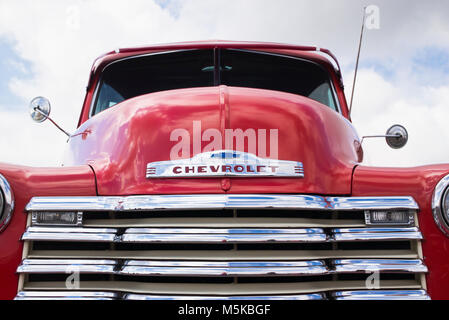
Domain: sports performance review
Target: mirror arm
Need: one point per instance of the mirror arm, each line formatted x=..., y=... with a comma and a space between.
x=51, y=120
x=398, y=135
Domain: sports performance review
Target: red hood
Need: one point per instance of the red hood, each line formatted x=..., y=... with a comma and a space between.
x=119, y=142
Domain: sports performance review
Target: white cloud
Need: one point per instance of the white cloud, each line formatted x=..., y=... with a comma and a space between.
x=25, y=142
x=380, y=104
x=62, y=38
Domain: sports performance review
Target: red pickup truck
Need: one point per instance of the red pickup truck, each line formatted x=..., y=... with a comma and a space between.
x=221, y=170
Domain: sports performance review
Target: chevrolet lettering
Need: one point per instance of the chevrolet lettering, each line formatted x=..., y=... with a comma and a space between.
x=225, y=163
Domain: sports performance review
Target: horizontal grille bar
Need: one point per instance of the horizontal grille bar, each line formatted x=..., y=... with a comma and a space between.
x=66, y=295
x=379, y=265
x=197, y=231
x=224, y=290
x=221, y=269
x=340, y=295
x=86, y=295
x=316, y=296
x=55, y=266
x=200, y=235
x=368, y=234
x=244, y=270
x=70, y=234
x=220, y=264
x=382, y=295
x=219, y=201
x=225, y=238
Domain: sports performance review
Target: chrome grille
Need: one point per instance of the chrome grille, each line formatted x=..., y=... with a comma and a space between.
x=221, y=247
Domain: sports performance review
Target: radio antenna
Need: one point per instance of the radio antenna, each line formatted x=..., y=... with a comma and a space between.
x=358, y=58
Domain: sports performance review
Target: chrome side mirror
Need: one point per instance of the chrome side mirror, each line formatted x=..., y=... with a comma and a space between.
x=39, y=109
x=397, y=136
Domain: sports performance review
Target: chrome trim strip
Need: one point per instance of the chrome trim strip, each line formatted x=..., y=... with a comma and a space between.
x=6, y=202
x=239, y=201
x=223, y=272
x=176, y=268
x=69, y=262
x=372, y=203
x=57, y=269
x=376, y=230
x=67, y=266
x=375, y=234
x=84, y=237
x=71, y=230
x=379, y=265
x=95, y=295
x=224, y=264
x=201, y=235
x=439, y=193
x=382, y=295
x=223, y=269
x=219, y=201
x=70, y=234
x=222, y=231
x=206, y=235
x=66, y=295
x=232, y=237
x=315, y=296
x=337, y=295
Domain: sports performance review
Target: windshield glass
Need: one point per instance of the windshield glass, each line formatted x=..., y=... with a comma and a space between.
x=133, y=77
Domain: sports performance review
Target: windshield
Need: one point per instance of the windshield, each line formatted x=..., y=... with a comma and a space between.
x=133, y=77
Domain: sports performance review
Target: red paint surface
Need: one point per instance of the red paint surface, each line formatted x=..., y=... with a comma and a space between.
x=26, y=183
x=120, y=141
x=419, y=183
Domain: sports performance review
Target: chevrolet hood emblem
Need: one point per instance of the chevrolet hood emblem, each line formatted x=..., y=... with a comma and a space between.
x=225, y=163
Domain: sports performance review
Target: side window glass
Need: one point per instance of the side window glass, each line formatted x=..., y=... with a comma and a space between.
x=108, y=97
x=323, y=93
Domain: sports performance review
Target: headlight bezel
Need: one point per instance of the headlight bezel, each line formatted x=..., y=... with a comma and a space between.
x=438, y=208
x=6, y=202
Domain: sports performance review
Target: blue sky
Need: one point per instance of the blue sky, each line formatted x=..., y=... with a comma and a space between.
x=432, y=58
x=431, y=65
x=11, y=66
x=427, y=66
x=172, y=6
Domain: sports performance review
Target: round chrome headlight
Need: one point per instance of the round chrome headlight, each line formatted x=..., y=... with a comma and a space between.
x=6, y=202
x=440, y=205
x=1, y=203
